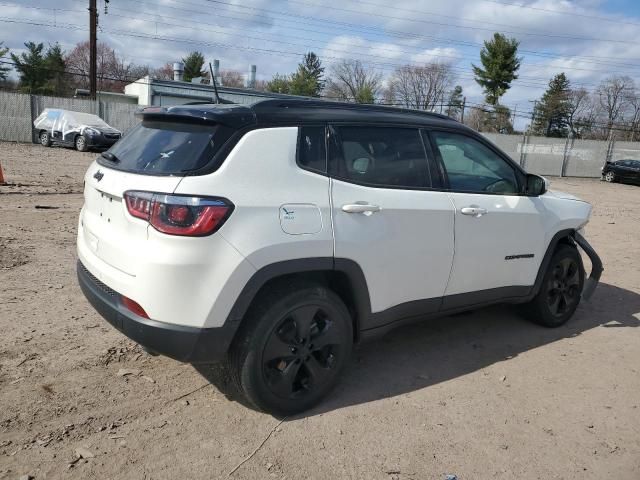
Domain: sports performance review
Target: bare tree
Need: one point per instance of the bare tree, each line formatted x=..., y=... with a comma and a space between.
x=581, y=111
x=613, y=94
x=232, y=78
x=113, y=72
x=475, y=119
x=633, y=113
x=352, y=82
x=422, y=87
x=164, y=72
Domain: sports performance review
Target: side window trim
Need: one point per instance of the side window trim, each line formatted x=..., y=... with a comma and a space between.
x=517, y=170
x=333, y=146
x=439, y=179
x=324, y=171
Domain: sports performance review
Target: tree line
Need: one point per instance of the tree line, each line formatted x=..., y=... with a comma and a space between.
x=564, y=110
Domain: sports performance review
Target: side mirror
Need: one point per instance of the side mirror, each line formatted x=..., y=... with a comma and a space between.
x=536, y=185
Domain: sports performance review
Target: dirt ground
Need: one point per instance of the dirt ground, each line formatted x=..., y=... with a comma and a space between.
x=483, y=395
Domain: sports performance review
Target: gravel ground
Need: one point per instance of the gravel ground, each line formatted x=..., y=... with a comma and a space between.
x=483, y=395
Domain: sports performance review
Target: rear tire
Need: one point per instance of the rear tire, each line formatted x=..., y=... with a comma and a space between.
x=561, y=289
x=45, y=139
x=292, y=349
x=609, y=177
x=81, y=144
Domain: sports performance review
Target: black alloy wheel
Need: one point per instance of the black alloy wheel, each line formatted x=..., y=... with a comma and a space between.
x=560, y=291
x=301, y=352
x=563, y=287
x=294, y=343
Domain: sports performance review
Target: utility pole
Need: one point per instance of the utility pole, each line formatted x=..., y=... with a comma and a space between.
x=93, y=49
x=464, y=103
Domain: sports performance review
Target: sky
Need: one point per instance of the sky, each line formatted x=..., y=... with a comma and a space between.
x=588, y=40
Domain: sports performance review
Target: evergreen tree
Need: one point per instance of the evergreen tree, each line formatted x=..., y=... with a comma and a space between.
x=193, y=64
x=4, y=69
x=300, y=83
x=455, y=102
x=279, y=84
x=55, y=65
x=308, y=80
x=499, y=66
x=551, y=116
x=32, y=68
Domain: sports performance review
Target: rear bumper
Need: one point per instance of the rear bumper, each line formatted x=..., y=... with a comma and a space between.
x=185, y=344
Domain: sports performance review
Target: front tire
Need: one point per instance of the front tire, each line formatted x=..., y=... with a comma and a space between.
x=45, y=139
x=561, y=289
x=293, y=348
x=609, y=177
x=81, y=143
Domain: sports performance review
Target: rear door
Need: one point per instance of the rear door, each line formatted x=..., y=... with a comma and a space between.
x=499, y=234
x=388, y=219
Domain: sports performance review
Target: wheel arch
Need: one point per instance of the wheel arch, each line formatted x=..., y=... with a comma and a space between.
x=565, y=237
x=344, y=277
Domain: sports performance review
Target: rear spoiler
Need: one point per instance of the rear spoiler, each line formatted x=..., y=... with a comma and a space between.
x=234, y=115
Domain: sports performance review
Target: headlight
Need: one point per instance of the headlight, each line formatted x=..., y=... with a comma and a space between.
x=91, y=131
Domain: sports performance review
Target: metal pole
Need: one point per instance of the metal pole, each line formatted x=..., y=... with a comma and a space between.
x=93, y=49
x=464, y=102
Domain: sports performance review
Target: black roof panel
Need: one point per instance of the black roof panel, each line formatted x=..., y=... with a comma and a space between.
x=294, y=111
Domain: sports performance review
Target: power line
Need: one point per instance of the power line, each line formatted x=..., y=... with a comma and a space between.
x=333, y=7
x=418, y=20
x=403, y=35
x=559, y=12
x=417, y=52
x=385, y=66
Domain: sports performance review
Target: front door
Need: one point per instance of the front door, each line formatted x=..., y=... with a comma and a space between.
x=499, y=236
x=387, y=218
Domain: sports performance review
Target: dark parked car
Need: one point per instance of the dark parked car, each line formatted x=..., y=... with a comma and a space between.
x=622, y=171
x=74, y=129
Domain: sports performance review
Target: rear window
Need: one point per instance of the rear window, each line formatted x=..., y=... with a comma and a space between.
x=167, y=148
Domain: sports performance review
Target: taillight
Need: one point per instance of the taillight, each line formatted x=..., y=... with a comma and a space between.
x=139, y=204
x=178, y=214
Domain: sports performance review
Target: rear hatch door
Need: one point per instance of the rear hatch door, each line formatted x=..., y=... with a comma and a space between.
x=153, y=157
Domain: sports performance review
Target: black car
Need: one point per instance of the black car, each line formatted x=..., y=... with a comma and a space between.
x=74, y=129
x=622, y=171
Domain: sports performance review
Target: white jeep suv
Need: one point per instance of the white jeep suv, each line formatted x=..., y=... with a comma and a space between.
x=275, y=236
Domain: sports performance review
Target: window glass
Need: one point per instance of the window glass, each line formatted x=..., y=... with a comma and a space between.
x=311, y=149
x=381, y=156
x=473, y=167
x=167, y=148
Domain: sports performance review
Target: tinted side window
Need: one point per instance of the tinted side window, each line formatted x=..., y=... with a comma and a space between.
x=380, y=156
x=311, y=149
x=473, y=167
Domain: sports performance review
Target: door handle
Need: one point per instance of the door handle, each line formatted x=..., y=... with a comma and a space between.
x=365, y=208
x=473, y=211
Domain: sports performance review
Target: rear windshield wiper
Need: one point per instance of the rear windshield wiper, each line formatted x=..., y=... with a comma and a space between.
x=110, y=156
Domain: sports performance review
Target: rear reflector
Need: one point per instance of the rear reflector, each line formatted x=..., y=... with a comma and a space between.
x=134, y=307
x=178, y=214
